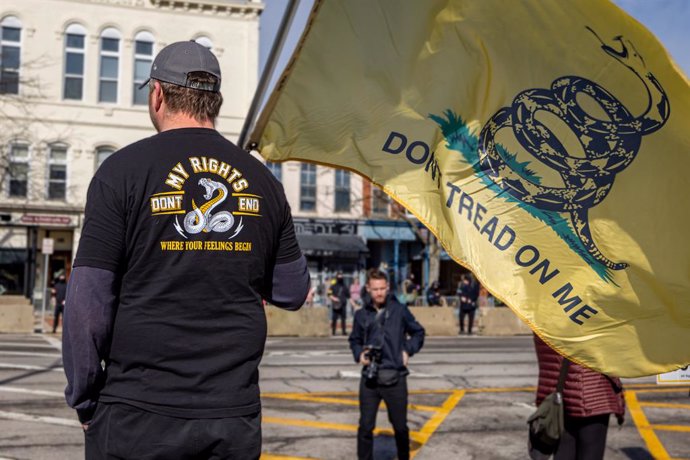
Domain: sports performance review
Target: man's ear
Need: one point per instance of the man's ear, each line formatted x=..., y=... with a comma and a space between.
x=157, y=96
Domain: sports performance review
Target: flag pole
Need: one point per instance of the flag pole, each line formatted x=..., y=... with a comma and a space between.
x=265, y=79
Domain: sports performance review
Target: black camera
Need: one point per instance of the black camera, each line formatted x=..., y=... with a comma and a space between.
x=374, y=355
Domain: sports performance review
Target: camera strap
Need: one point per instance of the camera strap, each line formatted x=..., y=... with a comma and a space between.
x=381, y=316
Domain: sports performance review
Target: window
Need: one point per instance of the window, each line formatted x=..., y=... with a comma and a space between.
x=10, y=52
x=204, y=41
x=19, y=170
x=102, y=153
x=143, y=58
x=276, y=169
x=75, y=38
x=342, y=191
x=57, y=172
x=110, y=66
x=307, y=188
x=379, y=202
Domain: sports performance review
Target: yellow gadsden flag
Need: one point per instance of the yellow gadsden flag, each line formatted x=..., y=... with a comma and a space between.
x=545, y=143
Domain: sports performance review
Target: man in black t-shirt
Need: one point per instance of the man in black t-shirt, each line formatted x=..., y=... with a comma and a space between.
x=184, y=236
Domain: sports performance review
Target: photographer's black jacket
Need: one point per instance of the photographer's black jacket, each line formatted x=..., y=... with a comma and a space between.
x=394, y=330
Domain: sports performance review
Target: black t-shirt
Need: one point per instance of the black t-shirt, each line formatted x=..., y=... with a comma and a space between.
x=193, y=226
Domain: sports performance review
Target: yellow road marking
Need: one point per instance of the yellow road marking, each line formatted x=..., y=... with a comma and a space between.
x=342, y=401
x=324, y=425
x=665, y=405
x=682, y=428
x=663, y=390
x=646, y=431
x=436, y=420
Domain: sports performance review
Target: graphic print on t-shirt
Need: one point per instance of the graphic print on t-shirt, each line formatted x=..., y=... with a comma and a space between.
x=207, y=198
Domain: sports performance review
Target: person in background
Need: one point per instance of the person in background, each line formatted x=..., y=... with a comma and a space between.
x=468, y=292
x=433, y=295
x=409, y=290
x=355, y=294
x=589, y=400
x=384, y=336
x=60, y=292
x=338, y=294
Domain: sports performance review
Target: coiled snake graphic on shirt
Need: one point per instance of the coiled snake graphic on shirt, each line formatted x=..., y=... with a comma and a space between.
x=200, y=218
x=609, y=145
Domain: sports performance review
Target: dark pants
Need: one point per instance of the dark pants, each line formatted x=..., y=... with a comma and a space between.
x=583, y=439
x=56, y=317
x=123, y=432
x=470, y=323
x=342, y=314
x=395, y=397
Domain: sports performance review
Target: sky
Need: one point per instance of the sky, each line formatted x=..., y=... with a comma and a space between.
x=667, y=19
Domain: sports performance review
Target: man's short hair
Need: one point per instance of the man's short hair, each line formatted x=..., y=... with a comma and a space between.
x=199, y=104
x=376, y=274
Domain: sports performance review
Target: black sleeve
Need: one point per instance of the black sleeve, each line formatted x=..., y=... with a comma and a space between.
x=356, y=338
x=102, y=241
x=288, y=248
x=291, y=283
x=89, y=312
x=415, y=331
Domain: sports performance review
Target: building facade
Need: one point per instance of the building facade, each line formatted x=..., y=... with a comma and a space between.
x=69, y=97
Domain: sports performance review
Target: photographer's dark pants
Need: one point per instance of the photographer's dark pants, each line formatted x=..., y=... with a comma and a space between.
x=123, y=432
x=395, y=397
x=342, y=314
x=470, y=322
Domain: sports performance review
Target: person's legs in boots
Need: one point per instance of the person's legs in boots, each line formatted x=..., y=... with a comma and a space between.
x=369, y=401
x=56, y=318
x=463, y=313
x=470, y=321
x=343, y=319
x=395, y=397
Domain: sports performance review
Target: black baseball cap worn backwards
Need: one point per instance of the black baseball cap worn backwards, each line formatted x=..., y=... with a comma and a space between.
x=177, y=60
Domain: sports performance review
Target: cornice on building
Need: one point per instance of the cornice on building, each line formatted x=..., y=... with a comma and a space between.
x=249, y=8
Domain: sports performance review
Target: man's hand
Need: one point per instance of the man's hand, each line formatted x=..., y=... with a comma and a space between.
x=85, y=426
x=363, y=360
x=406, y=358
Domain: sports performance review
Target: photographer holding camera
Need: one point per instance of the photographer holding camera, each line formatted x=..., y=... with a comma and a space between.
x=384, y=336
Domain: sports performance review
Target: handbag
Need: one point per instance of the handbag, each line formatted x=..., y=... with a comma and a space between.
x=546, y=423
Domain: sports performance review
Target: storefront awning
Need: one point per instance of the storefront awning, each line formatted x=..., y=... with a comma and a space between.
x=332, y=245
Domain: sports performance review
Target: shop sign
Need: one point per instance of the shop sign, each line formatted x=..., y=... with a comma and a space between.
x=44, y=219
x=325, y=227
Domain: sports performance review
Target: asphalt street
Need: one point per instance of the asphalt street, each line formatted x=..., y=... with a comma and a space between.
x=470, y=397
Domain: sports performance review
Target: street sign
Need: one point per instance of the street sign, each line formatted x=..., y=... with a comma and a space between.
x=680, y=376
x=47, y=246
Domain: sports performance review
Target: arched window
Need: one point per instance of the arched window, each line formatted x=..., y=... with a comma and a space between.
x=109, y=66
x=57, y=172
x=75, y=42
x=18, y=170
x=10, y=54
x=102, y=153
x=143, y=58
x=204, y=41
x=276, y=169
